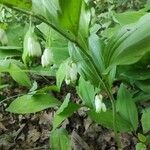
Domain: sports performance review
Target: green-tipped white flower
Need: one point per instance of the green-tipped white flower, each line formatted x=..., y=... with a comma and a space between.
x=99, y=105
x=47, y=57
x=32, y=47
x=71, y=72
x=3, y=37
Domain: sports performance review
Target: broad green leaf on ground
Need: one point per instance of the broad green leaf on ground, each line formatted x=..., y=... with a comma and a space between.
x=146, y=120
x=105, y=119
x=16, y=70
x=130, y=44
x=19, y=75
x=24, y=4
x=126, y=107
x=87, y=92
x=66, y=110
x=32, y=103
x=60, y=140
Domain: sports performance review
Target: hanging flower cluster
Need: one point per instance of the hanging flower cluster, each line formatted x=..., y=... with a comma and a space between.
x=71, y=72
x=3, y=37
x=99, y=105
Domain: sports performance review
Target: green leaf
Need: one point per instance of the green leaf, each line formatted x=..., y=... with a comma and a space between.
x=145, y=120
x=69, y=16
x=142, y=97
x=32, y=103
x=126, y=107
x=24, y=4
x=130, y=44
x=39, y=70
x=9, y=51
x=60, y=74
x=96, y=47
x=141, y=138
x=105, y=119
x=64, y=104
x=19, y=75
x=85, y=65
x=129, y=17
x=143, y=85
x=140, y=146
x=65, y=111
x=60, y=140
x=87, y=92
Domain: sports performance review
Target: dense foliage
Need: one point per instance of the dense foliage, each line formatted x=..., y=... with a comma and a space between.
x=101, y=48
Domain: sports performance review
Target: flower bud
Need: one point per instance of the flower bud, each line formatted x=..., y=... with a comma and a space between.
x=31, y=45
x=47, y=57
x=99, y=105
x=3, y=37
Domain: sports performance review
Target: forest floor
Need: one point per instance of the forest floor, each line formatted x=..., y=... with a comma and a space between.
x=31, y=131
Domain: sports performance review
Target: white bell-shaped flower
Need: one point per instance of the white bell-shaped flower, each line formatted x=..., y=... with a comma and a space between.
x=47, y=57
x=33, y=47
x=99, y=105
x=71, y=72
x=3, y=37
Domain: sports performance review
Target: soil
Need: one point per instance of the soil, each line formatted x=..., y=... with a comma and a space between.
x=31, y=131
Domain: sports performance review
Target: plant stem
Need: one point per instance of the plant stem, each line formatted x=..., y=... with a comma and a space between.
x=117, y=138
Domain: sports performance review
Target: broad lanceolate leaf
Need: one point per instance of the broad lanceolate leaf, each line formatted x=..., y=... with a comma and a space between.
x=96, y=47
x=19, y=75
x=130, y=44
x=129, y=17
x=126, y=107
x=61, y=73
x=60, y=140
x=66, y=110
x=146, y=120
x=87, y=92
x=105, y=119
x=32, y=103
